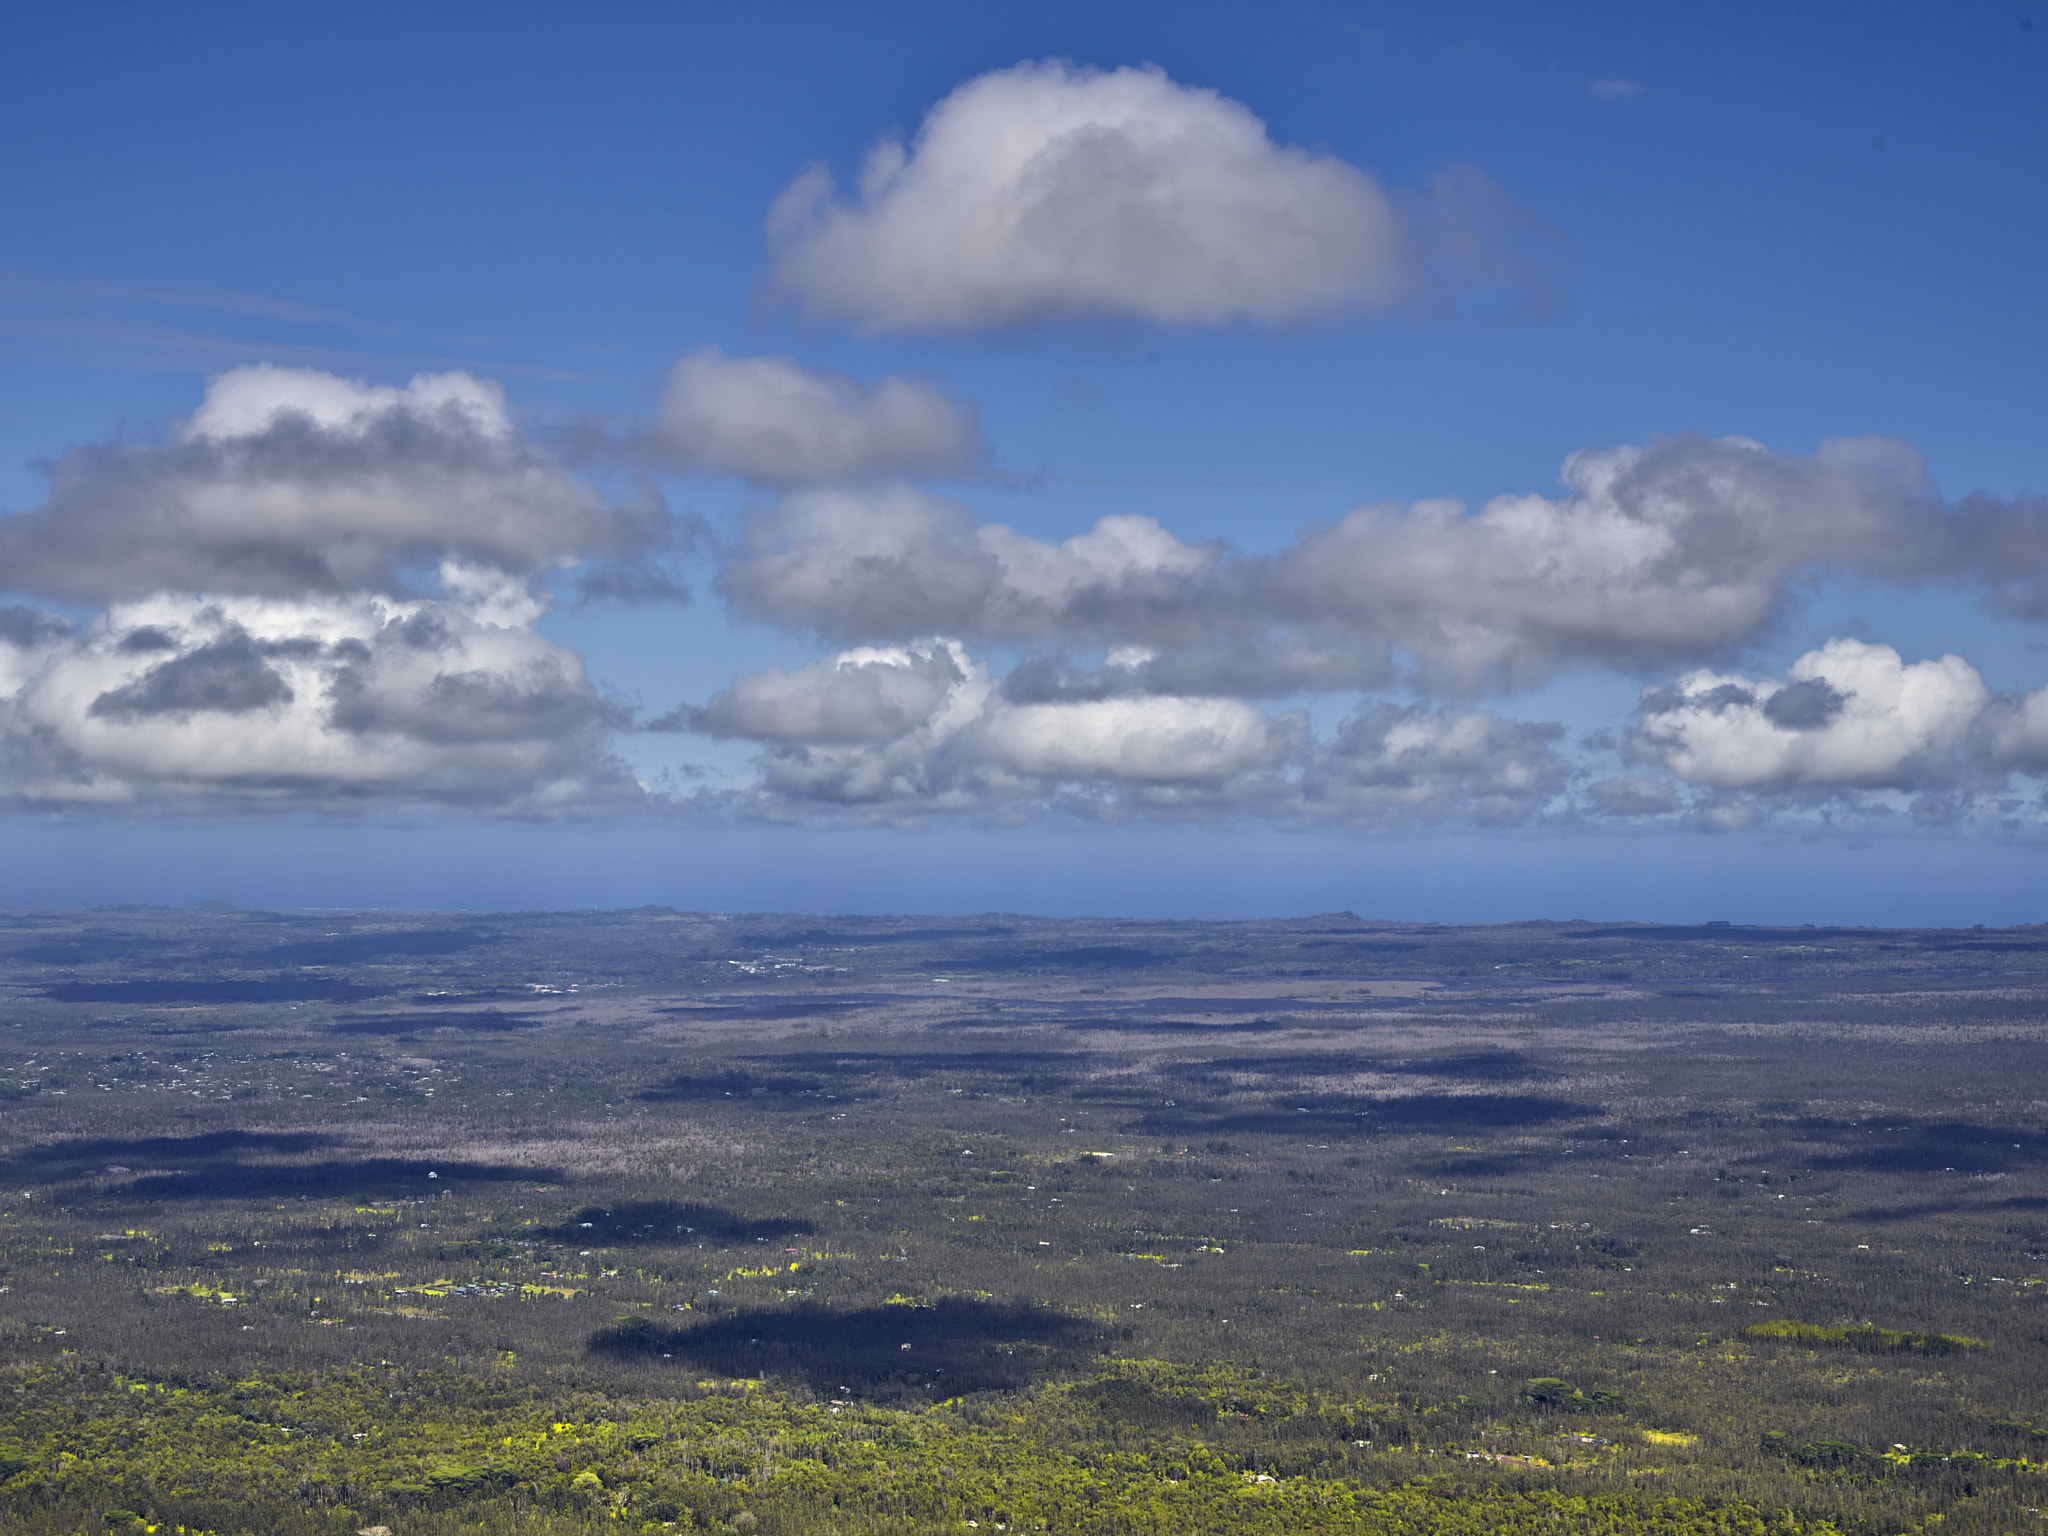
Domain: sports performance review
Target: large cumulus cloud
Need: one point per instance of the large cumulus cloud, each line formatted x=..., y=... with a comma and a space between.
x=908, y=732
x=1679, y=551
x=1850, y=715
x=1850, y=728
x=325, y=701
x=288, y=481
x=1683, y=548
x=1046, y=192
x=893, y=562
x=318, y=593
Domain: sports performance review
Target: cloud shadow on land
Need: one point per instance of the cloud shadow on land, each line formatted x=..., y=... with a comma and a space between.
x=79, y=1158
x=646, y=1223
x=385, y=1177
x=854, y=1074
x=891, y=936
x=775, y=1008
x=264, y=989
x=1092, y=957
x=1498, y=1066
x=1881, y=1214
x=1448, y=1113
x=1925, y=1147
x=1144, y=1026
x=1494, y=1166
x=483, y=1021
x=222, y=1165
x=419, y=943
x=736, y=1085
x=805, y=1077
x=890, y=1352
x=920, y=1064
x=92, y=948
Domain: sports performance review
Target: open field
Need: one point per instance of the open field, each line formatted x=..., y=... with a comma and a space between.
x=314, y=1221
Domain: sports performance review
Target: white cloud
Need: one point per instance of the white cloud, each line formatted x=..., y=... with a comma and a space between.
x=907, y=732
x=1680, y=549
x=772, y=420
x=867, y=695
x=896, y=763
x=1045, y=192
x=895, y=562
x=845, y=737
x=261, y=646
x=323, y=702
x=1616, y=89
x=287, y=481
x=1675, y=552
x=1144, y=740
x=250, y=402
x=1848, y=716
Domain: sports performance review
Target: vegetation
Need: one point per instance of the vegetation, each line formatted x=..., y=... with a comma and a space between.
x=1864, y=1336
x=314, y=1223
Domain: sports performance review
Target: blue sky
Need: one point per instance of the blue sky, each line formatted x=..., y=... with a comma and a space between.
x=289, y=627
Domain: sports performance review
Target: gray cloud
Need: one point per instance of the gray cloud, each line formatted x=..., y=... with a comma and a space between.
x=227, y=676
x=857, y=697
x=894, y=562
x=1809, y=705
x=1046, y=193
x=149, y=638
x=1631, y=797
x=287, y=482
x=1389, y=763
x=1056, y=680
x=2005, y=545
x=1678, y=552
x=772, y=420
x=1852, y=732
x=28, y=628
x=2011, y=735
x=541, y=699
x=1727, y=814
x=1716, y=698
x=1848, y=716
x=317, y=702
x=906, y=733
x=261, y=649
x=1682, y=549
x=920, y=731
